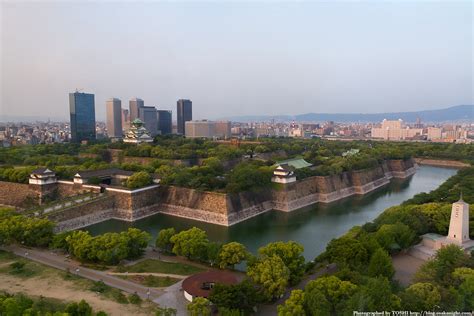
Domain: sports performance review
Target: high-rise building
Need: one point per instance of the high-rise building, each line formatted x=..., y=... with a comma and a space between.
x=148, y=115
x=200, y=129
x=164, y=122
x=135, y=105
x=82, y=115
x=125, y=119
x=114, y=118
x=184, y=113
x=222, y=129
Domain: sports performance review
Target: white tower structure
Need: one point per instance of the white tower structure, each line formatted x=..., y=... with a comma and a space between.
x=459, y=223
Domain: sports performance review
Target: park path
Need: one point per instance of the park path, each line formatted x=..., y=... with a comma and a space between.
x=61, y=262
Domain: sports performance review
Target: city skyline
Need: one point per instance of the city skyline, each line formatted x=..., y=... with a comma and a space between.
x=279, y=61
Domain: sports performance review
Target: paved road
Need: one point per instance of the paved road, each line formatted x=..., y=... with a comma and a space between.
x=174, y=298
x=61, y=262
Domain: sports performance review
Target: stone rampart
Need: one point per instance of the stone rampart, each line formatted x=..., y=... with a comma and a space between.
x=326, y=189
x=441, y=163
x=228, y=209
x=17, y=194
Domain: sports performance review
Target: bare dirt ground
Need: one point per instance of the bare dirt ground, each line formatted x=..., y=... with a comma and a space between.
x=68, y=291
x=405, y=267
x=53, y=283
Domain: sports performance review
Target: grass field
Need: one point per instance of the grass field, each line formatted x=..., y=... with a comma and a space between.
x=150, y=280
x=157, y=266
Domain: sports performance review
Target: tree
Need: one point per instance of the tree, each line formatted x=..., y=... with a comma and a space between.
x=139, y=180
x=335, y=291
x=247, y=176
x=79, y=309
x=231, y=254
x=381, y=264
x=421, y=297
x=465, y=278
x=348, y=252
x=242, y=296
x=189, y=243
x=380, y=297
x=396, y=236
x=376, y=295
x=212, y=252
x=292, y=255
x=109, y=248
x=137, y=241
x=447, y=259
x=163, y=241
x=440, y=269
x=200, y=306
x=316, y=303
x=271, y=274
x=294, y=305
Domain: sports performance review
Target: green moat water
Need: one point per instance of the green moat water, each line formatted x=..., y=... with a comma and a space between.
x=312, y=226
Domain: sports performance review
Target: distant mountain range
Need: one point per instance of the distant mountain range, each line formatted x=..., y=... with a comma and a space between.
x=454, y=113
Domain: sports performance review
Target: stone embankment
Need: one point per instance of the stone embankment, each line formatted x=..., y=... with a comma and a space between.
x=219, y=208
x=442, y=163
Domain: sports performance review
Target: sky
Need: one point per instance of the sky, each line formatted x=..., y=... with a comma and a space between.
x=237, y=58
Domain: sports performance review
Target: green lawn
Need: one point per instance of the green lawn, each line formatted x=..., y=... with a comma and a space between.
x=150, y=280
x=157, y=266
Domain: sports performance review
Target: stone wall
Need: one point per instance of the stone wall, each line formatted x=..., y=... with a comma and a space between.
x=17, y=194
x=106, y=202
x=244, y=205
x=135, y=204
x=228, y=209
x=442, y=163
x=331, y=188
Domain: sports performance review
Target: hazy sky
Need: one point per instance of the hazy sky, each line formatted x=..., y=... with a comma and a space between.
x=238, y=58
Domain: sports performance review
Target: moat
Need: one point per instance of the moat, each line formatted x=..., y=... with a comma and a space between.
x=312, y=226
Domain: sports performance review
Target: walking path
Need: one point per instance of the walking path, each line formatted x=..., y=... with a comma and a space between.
x=63, y=263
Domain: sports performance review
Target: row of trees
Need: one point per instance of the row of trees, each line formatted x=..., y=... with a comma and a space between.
x=19, y=304
x=30, y=231
x=108, y=248
x=195, y=245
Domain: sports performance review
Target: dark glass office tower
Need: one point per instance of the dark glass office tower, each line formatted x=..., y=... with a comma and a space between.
x=185, y=113
x=82, y=114
x=148, y=115
x=164, y=122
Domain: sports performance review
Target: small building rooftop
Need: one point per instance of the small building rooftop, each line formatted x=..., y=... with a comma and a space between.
x=103, y=173
x=433, y=236
x=200, y=285
x=42, y=171
x=296, y=163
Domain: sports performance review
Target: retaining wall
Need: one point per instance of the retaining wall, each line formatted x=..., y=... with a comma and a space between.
x=228, y=209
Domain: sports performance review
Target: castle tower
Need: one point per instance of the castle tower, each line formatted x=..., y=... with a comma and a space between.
x=459, y=223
